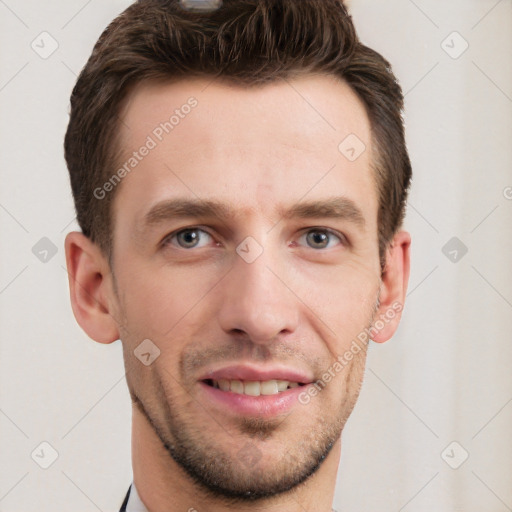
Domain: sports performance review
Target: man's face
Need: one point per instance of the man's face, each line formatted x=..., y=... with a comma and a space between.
x=262, y=288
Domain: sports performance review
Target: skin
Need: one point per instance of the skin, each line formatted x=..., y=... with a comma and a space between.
x=299, y=304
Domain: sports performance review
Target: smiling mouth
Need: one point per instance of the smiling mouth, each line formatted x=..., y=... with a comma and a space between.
x=253, y=387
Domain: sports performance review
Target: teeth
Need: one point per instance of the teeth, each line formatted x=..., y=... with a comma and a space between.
x=254, y=388
x=237, y=386
x=282, y=385
x=223, y=384
x=269, y=387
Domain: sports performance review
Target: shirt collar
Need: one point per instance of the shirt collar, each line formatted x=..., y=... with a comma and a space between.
x=134, y=502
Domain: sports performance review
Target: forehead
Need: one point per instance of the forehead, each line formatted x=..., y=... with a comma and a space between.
x=254, y=146
x=319, y=107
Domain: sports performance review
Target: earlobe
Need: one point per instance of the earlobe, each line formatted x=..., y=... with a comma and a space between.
x=393, y=289
x=90, y=288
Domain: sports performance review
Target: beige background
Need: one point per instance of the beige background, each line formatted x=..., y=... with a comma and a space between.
x=445, y=377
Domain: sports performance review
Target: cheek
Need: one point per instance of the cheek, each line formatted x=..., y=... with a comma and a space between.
x=352, y=275
x=342, y=298
x=159, y=300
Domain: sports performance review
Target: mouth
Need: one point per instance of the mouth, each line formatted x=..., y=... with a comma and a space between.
x=245, y=398
x=253, y=387
x=247, y=390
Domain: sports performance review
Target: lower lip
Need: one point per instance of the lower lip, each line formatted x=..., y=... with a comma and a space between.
x=262, y=406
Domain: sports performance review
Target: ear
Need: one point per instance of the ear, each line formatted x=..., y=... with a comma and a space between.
x=90, y=286
x=393, y=288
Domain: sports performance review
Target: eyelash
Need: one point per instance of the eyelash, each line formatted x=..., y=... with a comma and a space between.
x=167, y=240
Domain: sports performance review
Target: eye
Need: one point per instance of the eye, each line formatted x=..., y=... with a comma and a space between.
x=189, y=238
x=322, y=238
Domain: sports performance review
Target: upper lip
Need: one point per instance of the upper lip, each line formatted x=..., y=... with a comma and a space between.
x=252, y=373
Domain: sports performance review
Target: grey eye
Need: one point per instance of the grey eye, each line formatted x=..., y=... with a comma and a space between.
x=191, y=238
x=317, y=239
x=321, y=238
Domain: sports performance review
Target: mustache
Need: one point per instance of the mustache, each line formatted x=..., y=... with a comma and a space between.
x=198, y=358
x=243, y=349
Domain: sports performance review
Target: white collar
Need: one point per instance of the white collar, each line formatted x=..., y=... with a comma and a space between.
x=134, y=502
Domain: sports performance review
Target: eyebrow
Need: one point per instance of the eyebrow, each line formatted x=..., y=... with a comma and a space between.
x=339, y=207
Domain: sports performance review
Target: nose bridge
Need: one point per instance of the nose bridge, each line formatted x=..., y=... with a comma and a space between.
x=255, y=300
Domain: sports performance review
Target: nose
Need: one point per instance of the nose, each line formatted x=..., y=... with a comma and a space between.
x=256, y=300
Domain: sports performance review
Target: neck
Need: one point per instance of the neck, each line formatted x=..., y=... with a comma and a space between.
x=163, y=486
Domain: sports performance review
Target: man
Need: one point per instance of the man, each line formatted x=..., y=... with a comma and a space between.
x=240, y=177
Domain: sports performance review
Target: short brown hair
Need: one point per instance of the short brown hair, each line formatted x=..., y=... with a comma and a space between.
x=248, y=42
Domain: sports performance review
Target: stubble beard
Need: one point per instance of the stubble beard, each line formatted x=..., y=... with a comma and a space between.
x=249, y=474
